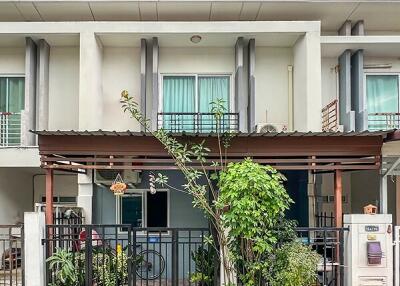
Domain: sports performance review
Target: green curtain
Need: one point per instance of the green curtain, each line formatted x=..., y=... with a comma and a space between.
x=210, y=89
x=3, y=94
x=382, y=96
x=12, y=94
x=16, y=90
x=179, y=97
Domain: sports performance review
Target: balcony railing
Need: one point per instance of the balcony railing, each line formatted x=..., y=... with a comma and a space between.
x=330, y=117
x=10, y=129
x=383, y=121
x=197, y=122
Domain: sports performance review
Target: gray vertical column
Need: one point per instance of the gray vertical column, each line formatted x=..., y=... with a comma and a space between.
x=29, y=115
x=346, y=115
x=358, y=100
x=345, y=29
x=358, y=29
x=155, y=97
x=42, y=85
x=240, y=97
x=251, y=109
x=143, y=54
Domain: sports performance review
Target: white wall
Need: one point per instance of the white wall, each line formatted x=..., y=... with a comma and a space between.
x=395, y=62
x=307, y=83
x=64, y=185
x=12, y=61
x=328, y=80
x=15, y=194
x=121, y=71
x=63, y=88
x=272, y=84
x=90, y=82
x=197, y=60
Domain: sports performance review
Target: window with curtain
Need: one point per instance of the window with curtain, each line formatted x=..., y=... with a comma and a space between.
x=382, y=97
x=193, y=95
x=12, y=100
x=12, y=94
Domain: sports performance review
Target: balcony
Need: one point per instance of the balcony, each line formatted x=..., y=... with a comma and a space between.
x=176, y=122
x=383, y=121
x=10, y=129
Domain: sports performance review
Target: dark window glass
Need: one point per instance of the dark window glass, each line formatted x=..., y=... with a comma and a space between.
x=157, y=209
x=131, y=210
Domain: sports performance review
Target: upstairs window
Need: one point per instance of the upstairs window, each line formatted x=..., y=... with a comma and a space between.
x=12, y=100
x=186, y=101
x=12, y=94
x=382, y=92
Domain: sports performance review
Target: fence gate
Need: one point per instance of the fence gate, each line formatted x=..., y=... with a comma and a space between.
x=397, y=255
x=12, y=255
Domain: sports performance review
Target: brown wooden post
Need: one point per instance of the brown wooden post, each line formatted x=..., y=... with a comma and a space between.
x=338, y=198
x=49, y=196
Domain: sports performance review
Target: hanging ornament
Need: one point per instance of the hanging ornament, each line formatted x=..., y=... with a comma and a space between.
x=118, y=187
x=152, y=183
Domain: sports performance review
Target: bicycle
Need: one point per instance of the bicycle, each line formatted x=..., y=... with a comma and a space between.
x=150, y=264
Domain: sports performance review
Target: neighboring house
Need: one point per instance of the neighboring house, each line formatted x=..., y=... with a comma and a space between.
x=276, y=65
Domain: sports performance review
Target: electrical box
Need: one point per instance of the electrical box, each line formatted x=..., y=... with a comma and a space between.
x=368, y=250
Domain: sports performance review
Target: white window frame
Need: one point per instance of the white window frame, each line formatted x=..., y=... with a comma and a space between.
x=142, y=193
x=196, y=76
x=11, y=76
x=380, y=73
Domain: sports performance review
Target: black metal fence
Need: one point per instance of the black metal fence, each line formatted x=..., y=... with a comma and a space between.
x=122, y=255
x=197, y=122
x=328, y=243
x=12, y=255
x=325, y=219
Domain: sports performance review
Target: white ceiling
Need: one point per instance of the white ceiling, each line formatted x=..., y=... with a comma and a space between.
x=377, y=16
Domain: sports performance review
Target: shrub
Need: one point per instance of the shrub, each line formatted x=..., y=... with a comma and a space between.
x=294, y=264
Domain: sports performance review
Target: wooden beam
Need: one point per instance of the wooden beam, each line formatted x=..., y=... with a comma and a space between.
x=49, y=195
x=338, y=197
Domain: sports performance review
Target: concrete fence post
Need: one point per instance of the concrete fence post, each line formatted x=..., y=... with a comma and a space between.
x=34, y=232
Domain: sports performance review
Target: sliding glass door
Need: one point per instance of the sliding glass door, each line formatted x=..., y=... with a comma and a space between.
x=382, y=101
x=187, y=99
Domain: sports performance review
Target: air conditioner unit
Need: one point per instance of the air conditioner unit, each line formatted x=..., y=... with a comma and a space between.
x=271, y=127
x=107, y=177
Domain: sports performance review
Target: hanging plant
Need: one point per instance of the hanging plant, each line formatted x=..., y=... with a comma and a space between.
x=118, y=187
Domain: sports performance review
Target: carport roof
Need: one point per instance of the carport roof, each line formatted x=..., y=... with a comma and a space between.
x=82, y=150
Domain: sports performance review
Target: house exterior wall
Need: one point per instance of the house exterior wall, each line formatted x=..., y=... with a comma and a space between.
x=121, y=71
x=12, y=61
x=272, y=84
x=64, y=88
x=182, y=212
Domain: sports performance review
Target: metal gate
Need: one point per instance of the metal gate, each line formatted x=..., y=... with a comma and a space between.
x=397, y=255
x=12, y=255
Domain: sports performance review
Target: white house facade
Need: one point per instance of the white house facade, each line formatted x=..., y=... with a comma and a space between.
x=290, y=66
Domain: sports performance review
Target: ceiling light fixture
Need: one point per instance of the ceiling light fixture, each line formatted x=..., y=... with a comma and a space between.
x=195, y=39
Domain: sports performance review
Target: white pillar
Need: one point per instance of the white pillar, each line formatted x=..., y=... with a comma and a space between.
x=90, y=82
x=34, y=254
x=85, y=195
x=307, y=101
x=383, y=198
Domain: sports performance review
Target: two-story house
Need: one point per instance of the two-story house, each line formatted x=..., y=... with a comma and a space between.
x=276, y=64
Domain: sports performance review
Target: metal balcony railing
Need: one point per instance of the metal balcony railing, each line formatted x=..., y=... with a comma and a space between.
x=330, y=117
x=383, y=121
x=197, y=122
x=10, y=129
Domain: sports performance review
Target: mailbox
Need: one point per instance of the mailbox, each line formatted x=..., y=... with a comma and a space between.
x=368, y=250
